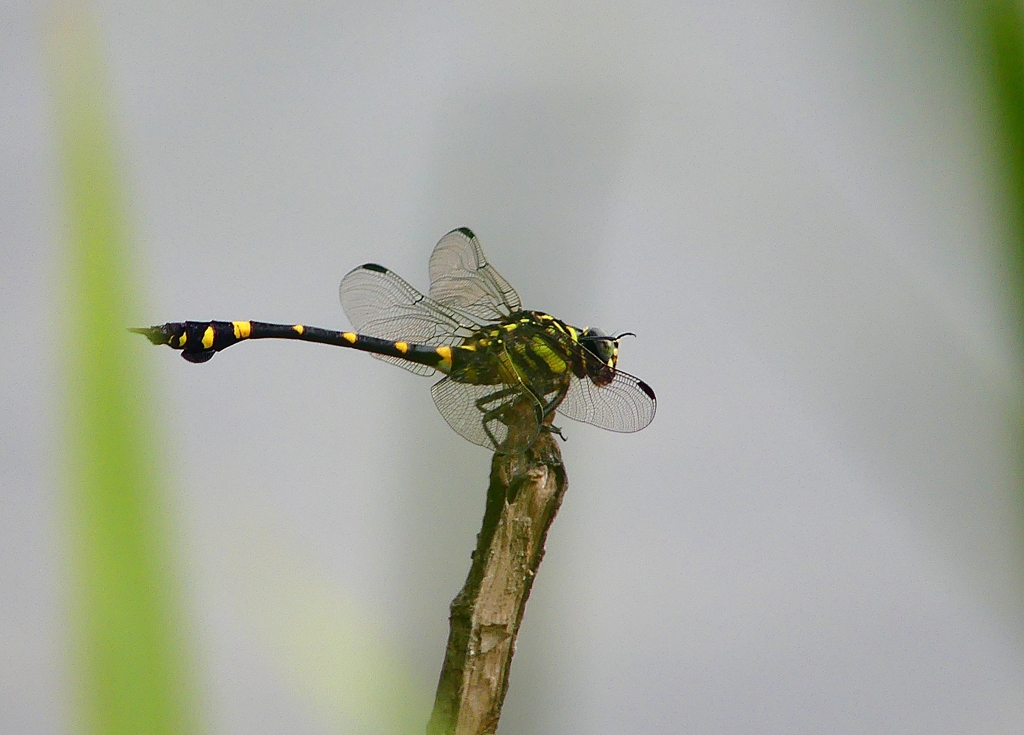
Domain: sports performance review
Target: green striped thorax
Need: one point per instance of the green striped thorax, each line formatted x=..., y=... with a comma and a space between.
x=534, y=348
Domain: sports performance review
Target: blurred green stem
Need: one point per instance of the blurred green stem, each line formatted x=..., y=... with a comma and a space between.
x=1004, y=23
x=129, y=664
x=1006, y=35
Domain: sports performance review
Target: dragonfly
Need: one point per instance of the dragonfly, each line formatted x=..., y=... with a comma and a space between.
x=505, y=370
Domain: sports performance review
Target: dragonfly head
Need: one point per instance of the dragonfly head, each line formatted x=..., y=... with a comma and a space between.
x=604, y=346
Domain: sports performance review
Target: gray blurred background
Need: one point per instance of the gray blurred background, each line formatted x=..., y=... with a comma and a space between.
x=792, y=205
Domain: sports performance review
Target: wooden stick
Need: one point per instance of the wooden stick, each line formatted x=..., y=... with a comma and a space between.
x=524, y=496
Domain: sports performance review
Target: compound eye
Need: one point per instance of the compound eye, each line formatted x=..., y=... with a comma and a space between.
x=600, y=344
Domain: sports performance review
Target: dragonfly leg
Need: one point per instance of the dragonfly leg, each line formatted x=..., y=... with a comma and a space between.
x=544, y=409
x=495, y=412
x=505, y=400
x=552, y=429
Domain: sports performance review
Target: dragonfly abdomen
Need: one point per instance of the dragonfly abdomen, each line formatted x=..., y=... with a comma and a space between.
x=200, y=341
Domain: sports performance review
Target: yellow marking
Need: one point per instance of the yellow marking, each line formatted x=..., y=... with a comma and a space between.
x=544, y=317
x=483, y=342
x=573, y=333
x=468, y=348
x=556, y=363
x=299, y=329
x=349, y=337
x=446, y=357
x=402, y=347
x=208, y=337
x=510, y=327
x=182, y=339
x=242, y=329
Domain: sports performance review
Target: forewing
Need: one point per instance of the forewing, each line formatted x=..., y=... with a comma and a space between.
x=380, y=303
x=461, y=278
x=626, y=404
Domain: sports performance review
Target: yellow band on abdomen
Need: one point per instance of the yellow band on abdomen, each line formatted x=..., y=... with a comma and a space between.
x=445, y=352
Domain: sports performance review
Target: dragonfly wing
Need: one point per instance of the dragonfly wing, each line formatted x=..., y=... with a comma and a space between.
x=626, y=404
x=481, y=414
x=380, y=303
x=461, y=278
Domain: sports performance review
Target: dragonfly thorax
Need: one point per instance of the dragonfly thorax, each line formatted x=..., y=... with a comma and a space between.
x=527, y=347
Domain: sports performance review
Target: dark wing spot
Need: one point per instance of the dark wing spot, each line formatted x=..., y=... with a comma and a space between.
x=375, y=267
x=646, y=389
x=465, y=231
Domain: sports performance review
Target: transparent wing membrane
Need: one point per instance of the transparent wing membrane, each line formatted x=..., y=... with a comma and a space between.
x=479, y=413
x=461, y=278
x=380, y=303
x=626, y=404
